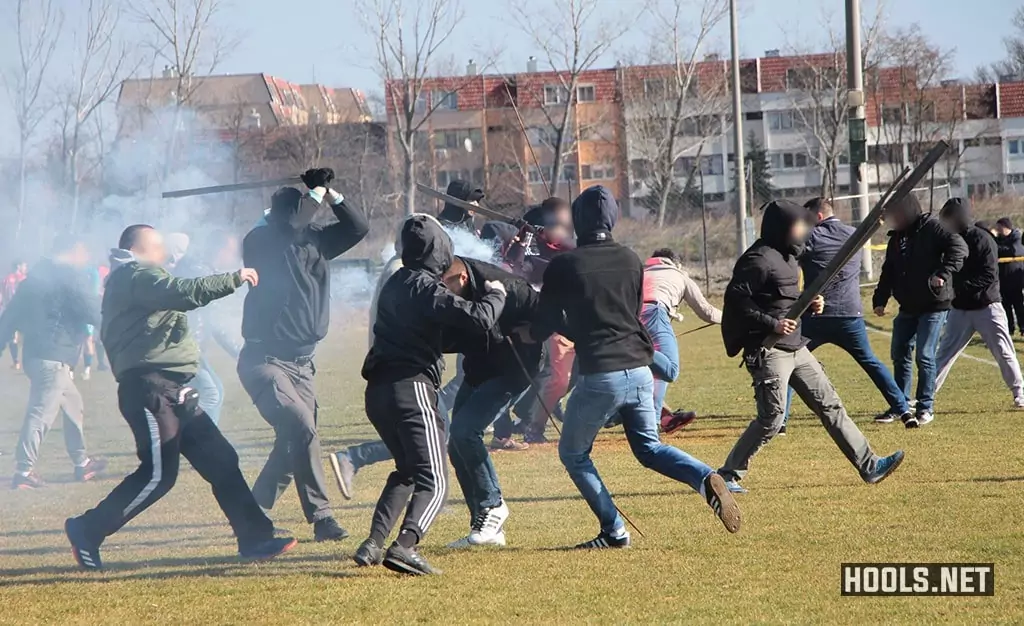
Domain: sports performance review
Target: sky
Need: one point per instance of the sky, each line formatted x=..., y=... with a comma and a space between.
x=324, y=40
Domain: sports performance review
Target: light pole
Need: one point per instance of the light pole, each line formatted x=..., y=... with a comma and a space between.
x=737, y=127
x=857, y=125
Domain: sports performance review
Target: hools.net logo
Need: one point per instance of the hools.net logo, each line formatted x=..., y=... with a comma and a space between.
x=918, y=579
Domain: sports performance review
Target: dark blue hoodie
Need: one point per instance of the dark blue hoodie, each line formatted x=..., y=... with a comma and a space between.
x=592, y=295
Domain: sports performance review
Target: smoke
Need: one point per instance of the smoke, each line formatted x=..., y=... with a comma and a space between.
x=470, y=246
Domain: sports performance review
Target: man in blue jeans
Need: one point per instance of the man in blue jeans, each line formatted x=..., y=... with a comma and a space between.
x=591, y=295
x=841, y=323
x=920, y=260
x=494, y=377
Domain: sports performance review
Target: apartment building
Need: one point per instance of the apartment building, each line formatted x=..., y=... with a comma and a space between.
x=790, y=106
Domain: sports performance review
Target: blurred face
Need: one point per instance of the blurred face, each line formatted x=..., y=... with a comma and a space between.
x=79, y=255
x=1003, y=231
x=949, y=224
x=228, y=254
x=150, y=247
x=558, y=232
x=798, y=232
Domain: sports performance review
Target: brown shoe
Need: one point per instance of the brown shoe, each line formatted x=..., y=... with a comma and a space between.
x=510, y=445
x=673, y=422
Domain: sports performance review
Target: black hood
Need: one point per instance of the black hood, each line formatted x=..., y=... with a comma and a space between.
x=425, y=245
x=594, y=213
x=287, y=210
x=457, y=216
x=778, y=220
x=955, y=212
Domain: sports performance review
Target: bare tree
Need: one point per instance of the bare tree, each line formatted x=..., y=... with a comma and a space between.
x=1013, y=64
x=572, y=39
x=914, y=108
x=37, y=32
x=409, y=58
x=101, y=63
x=669, y=110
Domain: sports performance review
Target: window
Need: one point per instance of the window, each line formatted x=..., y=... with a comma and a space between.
x=449, y=101
x=885, y=153
x=801, y=78
x=1014, y=179
x=1016, y=148
x=978, y=142
x=605, y=172
x=800, y=158
x=454, y=139
x=792, y=160
x=892, y=114
x=714, y=197
x=554, y=94
x=421, y=101
x=586, y=93
x=780, y=120
x=655, y=87
x=586, y=172
x=844, y=158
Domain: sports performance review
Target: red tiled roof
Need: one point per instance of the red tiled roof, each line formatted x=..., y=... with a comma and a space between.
x=1011, y=99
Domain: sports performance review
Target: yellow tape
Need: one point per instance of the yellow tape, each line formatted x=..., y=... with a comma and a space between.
x=879, y=247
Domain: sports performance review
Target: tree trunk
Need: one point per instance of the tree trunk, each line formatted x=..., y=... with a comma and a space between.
x=409, y=177
x=666, y=188
x=22, y=175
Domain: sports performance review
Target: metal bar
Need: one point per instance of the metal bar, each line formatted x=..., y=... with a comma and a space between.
x=693, y=330
x=202, y=191
x=481, y=208
x=900, y=189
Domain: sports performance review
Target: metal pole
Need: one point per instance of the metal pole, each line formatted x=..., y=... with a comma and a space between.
x=857, y=125
x=737, y=127
x=704, y=229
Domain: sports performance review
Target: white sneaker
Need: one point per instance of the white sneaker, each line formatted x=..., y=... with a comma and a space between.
x=87, y=374
x=486, y=529
x=925, y=417
x=1019, y=402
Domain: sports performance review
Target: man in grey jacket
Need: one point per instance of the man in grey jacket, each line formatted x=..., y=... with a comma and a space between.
x=841, y=323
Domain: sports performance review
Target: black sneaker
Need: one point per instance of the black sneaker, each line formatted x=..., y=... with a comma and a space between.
x=604, y=540
x=90, y=470
x=344, y=472
x=782, y=431
x=328, y=529
x=27, y=481
x=720, y=499
x=266, y=550
x=910, y=420
x=407, y=561
x=368, y=553
x=86, y=554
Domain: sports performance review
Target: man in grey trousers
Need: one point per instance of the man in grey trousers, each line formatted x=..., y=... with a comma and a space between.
x=51, y=311
x=763, y=288
x=976, y=303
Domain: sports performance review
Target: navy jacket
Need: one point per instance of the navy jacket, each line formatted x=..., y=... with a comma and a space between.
x=842, y=297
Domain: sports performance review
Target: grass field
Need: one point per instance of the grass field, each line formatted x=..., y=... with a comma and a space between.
x=959, y=497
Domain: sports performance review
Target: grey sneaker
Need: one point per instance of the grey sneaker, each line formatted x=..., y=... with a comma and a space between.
x=344, y=472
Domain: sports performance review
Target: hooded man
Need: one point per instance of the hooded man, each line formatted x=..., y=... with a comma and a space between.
x=452, y=216
x=153, y=357
x=592, y=296
x=417, y=315
x=283, y=320
x=764, y=285
x=976, y=303
x=920, y=260
x=1011, y=273
x=51, y=310
x=494, y=378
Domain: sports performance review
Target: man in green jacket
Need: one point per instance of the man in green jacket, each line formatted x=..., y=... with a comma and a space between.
x=153, y=357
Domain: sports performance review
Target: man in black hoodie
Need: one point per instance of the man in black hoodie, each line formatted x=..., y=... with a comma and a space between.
x=764, y=285
x=1011, y=273
x=592, y=295
x=976, y=305
x=51, y=310
x=452, y=216
x=284, y=317
x=920, y=261
x=417, y=317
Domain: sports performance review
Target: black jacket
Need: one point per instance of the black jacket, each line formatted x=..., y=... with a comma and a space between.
x=765, y=284
x=417, y=315
x=488, y=355
x=976, y=285
x=453, y=216
x=1011, y=275
x=289, y=312
x=912, y=258
x=51, y=310
x=592, y=295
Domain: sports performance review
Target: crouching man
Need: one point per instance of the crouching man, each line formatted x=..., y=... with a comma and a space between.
x=764, y=285
x=153, y=357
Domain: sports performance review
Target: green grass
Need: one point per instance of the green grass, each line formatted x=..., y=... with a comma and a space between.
x=958, y=497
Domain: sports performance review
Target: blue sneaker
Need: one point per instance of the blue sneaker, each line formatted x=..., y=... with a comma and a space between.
x=884, y=467
x=86, y=553
x=734, y=486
